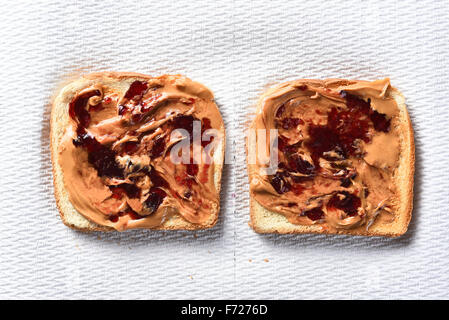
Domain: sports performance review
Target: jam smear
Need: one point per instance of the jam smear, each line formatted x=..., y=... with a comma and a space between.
x=322, y=139
x=345, y=201
x=130, y=147
x=192, y=169
x=339, y=135
x=280, y=111
x=289, y=123
x=156, y=179
x=297, y=188
x=184, y=122
x=131, y=190
x=204, y=176
x=103, y=160
x=280, y=184
x=206, y=125
x=346, y=182
x=134, y=215
x=101, y=157
x=77, y=108
x=158, y=147
x=137, y=88
x=314, y=214
x=117, y=192
x=122, y=110
x=344, y=127
x=156, y=195
x=188, y=194
x=155, y=199
x=135, y=91
x=354, y=102
x=380, y=121
x=298, y=164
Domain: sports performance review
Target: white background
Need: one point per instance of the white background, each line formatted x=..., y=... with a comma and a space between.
x=238, y=49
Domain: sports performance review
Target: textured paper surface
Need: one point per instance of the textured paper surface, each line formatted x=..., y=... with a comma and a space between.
x=238, y=49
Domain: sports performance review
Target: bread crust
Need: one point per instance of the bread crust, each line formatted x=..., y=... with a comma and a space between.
x=174, y=223
x=266, y=221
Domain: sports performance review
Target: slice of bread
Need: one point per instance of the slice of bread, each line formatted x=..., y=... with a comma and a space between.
x=59, y=121
x=266, y=221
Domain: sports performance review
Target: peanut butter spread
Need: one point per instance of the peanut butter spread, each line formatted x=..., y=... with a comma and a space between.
x=118, y=149
x=337, y=152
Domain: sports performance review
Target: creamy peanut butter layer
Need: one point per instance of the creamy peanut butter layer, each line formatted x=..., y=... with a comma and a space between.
x=115, y=154
x=338, y=149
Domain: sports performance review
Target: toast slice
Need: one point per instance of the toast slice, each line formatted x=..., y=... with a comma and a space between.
x=264, y=220
x=119, y=82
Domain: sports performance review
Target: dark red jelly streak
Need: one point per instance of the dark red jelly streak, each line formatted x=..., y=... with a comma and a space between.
x=205, y=174
x=77, y=108
x=117, y=192
x=314, y=214
x=101, y=157
x=354, y=102
x=137, y=117
x=184, y=122
x=346, y=182
x=135, y=91
x=188, y=194
x=137, y=88
x=349, y=203
x=280, y=184
x=297, y=189
x=130, y=147
x=122, y=110
x=379, y=120
x=158, y=147
x=84, y=139
x=321, y=140
x=298, y=164
x=192, y=169
x=103, y=160
x=344, y=127
x=131, y=213
x=289, y=123
x=156, y=179
x=280, y=111
x=134, y=215
x=287, y=149
x=206, y=125
x=131, y=190
x=155, y=199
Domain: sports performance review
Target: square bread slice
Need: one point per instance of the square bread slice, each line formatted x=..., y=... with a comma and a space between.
x=60, y=120
x=264, y=220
